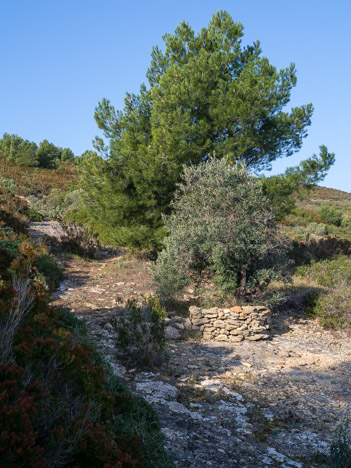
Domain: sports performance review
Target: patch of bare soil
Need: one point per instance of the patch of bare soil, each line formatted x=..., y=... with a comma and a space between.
x=96, y=287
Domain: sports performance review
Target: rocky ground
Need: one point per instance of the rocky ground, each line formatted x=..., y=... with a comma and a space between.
x=256, y=404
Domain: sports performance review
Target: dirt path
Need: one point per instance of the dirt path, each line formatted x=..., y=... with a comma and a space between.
x=255, y=404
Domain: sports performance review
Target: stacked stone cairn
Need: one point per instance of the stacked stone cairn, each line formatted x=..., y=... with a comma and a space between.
x=233, y=325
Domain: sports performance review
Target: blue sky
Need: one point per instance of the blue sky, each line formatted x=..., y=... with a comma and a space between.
x=59, y=58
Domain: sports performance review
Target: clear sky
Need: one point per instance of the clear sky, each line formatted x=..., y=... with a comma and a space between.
x=59, y=58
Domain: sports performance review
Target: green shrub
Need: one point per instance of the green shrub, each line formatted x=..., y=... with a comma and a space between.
x=222, y=225
x=340, y=450
x=327, y=272
x=47, y=266
x=304, y=214
x=34, y=215
x=69, y=321
x=334, y=306
x=6, y=231
x=138, y=417
x=8, y=184
x=318, y=229
x=310, y=301
x=330, y=215
x=304, y=252
x=333, y=303
x=141, y=331
x=10, y=246
x=56, y=205
x=346, y=221
x=13, y=211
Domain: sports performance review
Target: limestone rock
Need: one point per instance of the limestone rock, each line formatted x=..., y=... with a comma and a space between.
x=156, y=391
x=187, y=324
x=195, y=310
x=178, y=325
x=236, y=338
x=222, y=338
x=171, y=333
x=257, y=337
x=200, y=321
x=219, y=323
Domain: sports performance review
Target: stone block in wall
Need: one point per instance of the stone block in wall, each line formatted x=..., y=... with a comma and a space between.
x=234, y=322
x=194, y=311
x=199, y=321
x=222, y=338
x=207, y=336
x=219, y=323
x=236, y=339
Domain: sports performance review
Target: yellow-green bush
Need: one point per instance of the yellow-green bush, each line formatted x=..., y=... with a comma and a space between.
x=333, y=303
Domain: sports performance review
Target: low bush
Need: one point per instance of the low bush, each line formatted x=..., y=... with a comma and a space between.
x=9, y=245
x=339, y=455
x=333, y=303
x=303, y=252
x=330, y=215
x=35, y=181
x=141, y=331
x=52, y=273
x=13, y=211
x=334, y=306
x=319, y=229
x=340, y=449
x=34, y=215
x=9, y=185
x=346, y=221
x=78, y=240
x=306, y=216
x=57, y=205
x=327, y=272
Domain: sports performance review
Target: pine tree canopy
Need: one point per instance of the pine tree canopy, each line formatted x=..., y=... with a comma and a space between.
x=207, y=94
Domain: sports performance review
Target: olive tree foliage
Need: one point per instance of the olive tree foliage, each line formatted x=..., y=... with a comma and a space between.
x=206, y=93
x=223, y=224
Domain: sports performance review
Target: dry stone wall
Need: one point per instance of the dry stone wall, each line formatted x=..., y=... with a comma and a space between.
x=234, y=324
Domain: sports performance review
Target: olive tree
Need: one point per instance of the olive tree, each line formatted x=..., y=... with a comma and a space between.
x=221, y=224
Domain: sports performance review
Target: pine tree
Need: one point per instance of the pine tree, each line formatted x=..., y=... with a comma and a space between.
x=48, y=155
x=18, y=150
x=207, y=94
